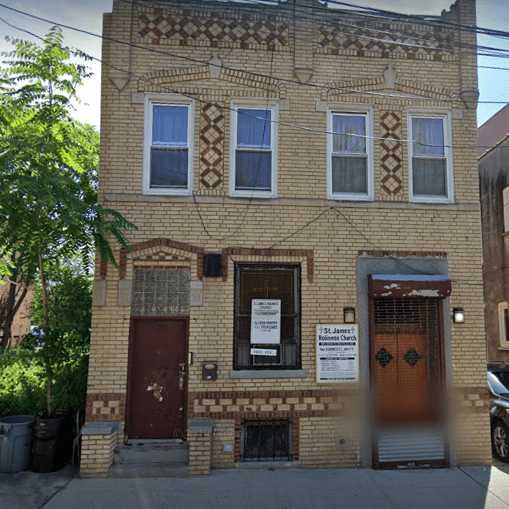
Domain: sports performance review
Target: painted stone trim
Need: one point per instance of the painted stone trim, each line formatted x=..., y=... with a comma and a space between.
x=212, y=140
x=391, y=156
x=105, y=406
x=250, y=251
x=202, y=28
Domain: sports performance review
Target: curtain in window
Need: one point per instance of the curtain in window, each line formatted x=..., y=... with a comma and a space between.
x=169, y=124
x=351, y=131
x=254, y=128
x=428, y=136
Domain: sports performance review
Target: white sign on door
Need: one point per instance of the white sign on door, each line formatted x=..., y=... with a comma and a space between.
x=337, y=352
x=265, y=322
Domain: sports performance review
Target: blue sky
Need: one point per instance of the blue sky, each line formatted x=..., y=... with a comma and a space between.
x=494, y=84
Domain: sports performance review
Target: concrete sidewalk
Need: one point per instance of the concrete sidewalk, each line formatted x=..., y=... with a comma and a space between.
x=466, y=488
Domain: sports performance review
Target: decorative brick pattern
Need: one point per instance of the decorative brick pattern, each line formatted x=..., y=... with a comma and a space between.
x=391, y=156
x=397, y=41
x=473, y=400
x=212, y=140
x=105, y=407
x=268, y=404
x=181, y=27
x=156, y=243
x=402, y=254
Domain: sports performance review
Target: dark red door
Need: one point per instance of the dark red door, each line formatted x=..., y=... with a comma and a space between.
x=157, y=379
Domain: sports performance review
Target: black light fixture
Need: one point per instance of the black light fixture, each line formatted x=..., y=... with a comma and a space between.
x=458, y=315
x=349, y=315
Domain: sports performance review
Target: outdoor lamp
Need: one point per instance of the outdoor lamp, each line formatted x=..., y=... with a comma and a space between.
x=349, y=315
x=458, y=315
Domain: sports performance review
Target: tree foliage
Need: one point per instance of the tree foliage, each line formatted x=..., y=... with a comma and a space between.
x=49, y=207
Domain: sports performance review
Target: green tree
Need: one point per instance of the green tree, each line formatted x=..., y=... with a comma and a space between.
x=49, y=208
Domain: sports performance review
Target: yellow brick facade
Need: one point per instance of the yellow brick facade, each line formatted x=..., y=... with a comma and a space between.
x=179, y=230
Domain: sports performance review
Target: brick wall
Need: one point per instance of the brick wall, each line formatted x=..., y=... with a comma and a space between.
x=351, y=73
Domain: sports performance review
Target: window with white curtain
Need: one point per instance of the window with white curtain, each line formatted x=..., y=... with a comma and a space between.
x=168, y=148
x=253, y=158
x=349, y=160
x=430, y=158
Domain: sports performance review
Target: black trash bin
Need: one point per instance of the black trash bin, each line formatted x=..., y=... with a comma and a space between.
x=45, y=444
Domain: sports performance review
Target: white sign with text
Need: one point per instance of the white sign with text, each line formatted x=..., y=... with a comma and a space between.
x=265, y=322
x=337, y=353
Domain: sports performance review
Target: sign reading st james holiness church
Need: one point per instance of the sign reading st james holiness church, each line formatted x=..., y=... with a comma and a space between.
x=337, y=351
x=265, y=321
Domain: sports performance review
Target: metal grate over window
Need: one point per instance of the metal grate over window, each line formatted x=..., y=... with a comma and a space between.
x=266, y=441
x=161, y=292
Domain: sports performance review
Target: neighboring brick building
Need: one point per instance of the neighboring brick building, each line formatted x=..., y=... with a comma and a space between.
x=254, y=226
x=494, y=186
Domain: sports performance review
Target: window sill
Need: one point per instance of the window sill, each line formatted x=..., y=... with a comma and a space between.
x=252, y=194
x=267, y=373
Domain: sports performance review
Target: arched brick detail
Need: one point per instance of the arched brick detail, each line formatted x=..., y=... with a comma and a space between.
x=148, y=244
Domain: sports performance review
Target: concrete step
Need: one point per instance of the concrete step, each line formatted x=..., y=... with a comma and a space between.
x=153, y=452
x=149, y=471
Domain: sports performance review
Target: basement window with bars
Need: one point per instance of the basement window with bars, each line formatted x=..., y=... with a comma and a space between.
x=266, y=440
x=279, y=282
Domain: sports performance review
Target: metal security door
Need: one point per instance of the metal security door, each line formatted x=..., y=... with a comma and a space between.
x=157, y=382
x=406, y=363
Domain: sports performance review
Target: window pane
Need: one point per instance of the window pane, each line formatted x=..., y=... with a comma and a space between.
x=168, y=168
x=170, y=124
x=349, y=175
x=352, y=132
x=253, y=170
x=428, y=136
x=254, y=128
x=430, y=177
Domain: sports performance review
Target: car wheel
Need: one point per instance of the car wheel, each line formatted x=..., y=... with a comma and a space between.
x=500, y=439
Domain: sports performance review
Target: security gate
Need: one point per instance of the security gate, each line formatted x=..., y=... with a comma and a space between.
x=407, y=375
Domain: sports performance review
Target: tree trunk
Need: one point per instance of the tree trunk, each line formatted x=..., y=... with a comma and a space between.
x=45, y=308
x=9, y=306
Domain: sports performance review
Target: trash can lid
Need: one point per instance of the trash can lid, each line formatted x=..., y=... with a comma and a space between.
x=17, y=419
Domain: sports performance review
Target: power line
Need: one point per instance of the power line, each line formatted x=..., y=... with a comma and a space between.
x=276, y=122
x=228, y=68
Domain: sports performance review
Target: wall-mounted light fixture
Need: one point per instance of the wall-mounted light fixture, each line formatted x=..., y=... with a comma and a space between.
x=458, y=315
x=349, y=315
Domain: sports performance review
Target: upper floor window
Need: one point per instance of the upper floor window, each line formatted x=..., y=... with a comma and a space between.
x=254, y=157
x=168, y=148
x=430, y=158
x=350, y=174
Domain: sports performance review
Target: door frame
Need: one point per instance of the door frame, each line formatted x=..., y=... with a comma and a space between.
x=130, y=366
x=443, y=384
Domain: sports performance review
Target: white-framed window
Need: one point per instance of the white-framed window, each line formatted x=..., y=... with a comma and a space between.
x=253, y=167
x=168, y=146
x=350, y=155
x=430, y=158
x=503, y=324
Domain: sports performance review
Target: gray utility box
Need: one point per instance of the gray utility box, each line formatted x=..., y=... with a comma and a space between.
x=15, y=443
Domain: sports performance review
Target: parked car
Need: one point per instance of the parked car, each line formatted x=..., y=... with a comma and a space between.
x=498, y=383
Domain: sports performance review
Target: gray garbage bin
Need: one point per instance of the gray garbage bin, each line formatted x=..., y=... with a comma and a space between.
x=15, y=443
